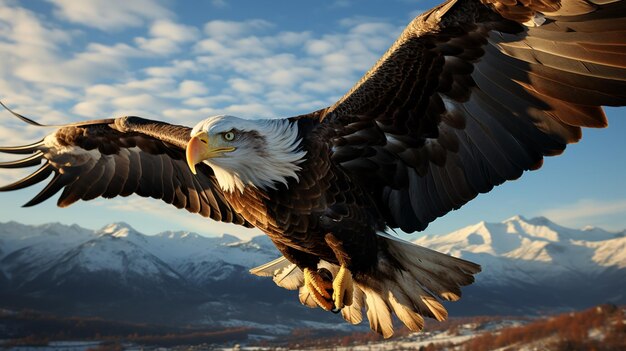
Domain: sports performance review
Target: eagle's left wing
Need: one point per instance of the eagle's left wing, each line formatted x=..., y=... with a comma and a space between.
x=473, y=93
x=119, y=157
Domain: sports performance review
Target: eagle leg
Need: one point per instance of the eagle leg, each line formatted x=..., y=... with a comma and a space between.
x=342, y=288
x=318, y=287
x=342, y=284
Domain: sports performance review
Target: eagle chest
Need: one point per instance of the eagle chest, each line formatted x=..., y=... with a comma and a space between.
x=290, y=214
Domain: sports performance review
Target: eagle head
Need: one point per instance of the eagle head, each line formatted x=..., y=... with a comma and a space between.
x=257, y=153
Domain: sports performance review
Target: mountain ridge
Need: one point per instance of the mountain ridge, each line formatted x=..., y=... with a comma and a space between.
x=529, y=266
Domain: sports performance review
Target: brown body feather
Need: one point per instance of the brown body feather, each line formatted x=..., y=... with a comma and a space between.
x=323, y=200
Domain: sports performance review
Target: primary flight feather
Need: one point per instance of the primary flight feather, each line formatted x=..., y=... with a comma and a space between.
x=473, y=93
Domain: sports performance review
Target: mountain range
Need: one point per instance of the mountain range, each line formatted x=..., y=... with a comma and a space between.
x=530, y=266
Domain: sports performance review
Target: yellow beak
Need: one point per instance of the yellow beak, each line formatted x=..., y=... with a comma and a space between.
x=201, y=148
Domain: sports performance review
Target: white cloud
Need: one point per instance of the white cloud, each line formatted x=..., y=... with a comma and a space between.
x=90, y=109
x=230, y=29
x=137, y=102
x=166, y=37
x=250, y=110
x=61, y=94
x=286, y=39
x=161, y=46
x=138, y=97
x=220, y=50
x=28, y=35
x=152, y=85
x=190, y=116
x=190, y=88
x=252, y=69
x=213, y=100
x=175, y=68
x=111, y=15
x=245, y=86
x=97, y=61
x=319, y=47
x=174, y=31
x=263, y=66
x=601, y=213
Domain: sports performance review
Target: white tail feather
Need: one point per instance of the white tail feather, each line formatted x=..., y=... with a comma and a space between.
x=378, y=312
x=403, y=307
x=354, y=313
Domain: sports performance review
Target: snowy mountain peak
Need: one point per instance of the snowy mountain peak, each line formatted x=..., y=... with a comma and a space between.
x=510, y=233
x=525, y=246
x=539, y=228
x=541, y=220
x=118, y=230
x=228, y=239
x=182, y=235
x=516, y=218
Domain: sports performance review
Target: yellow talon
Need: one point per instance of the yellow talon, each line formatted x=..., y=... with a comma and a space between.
x=342, y=288
x=318, y=287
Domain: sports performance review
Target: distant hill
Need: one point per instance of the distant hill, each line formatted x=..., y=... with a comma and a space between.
x=530, y=266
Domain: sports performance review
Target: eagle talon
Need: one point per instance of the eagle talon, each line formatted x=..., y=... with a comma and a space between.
x=342, y=288
x=319, y=288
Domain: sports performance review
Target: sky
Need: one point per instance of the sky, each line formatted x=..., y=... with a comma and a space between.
x=182, y=61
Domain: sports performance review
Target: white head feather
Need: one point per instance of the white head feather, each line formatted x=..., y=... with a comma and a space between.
x=267, y=152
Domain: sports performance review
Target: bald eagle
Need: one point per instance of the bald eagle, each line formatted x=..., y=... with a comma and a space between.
x=473, y=93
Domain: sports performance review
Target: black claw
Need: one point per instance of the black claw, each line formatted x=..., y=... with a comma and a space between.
x=325, y=274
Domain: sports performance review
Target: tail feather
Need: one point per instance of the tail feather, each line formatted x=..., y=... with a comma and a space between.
x=353, y=314
x=405, y=310
x=378, y=312
x=409, y=290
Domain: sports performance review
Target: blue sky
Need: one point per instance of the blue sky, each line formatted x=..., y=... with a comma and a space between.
x=182, y=61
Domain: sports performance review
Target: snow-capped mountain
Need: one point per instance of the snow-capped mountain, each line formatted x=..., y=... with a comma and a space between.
x=529, y=265
x=531, y=244
x=118, y=273
x=535, y=264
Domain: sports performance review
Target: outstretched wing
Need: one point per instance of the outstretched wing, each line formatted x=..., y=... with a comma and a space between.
x=472, y=94
x=121, y=156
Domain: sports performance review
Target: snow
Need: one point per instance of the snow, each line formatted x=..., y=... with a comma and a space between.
x=15, y=236
x=515, y=251
x=28, y=251
x=518, y=249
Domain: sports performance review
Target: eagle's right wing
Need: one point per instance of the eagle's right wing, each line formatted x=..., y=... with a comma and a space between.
x=121, y=156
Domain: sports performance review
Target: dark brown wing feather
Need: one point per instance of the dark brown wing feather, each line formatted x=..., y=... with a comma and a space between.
x=122, y=156
x=474, y=93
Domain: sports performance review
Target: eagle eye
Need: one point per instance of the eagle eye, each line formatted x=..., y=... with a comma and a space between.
x=229, y=136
